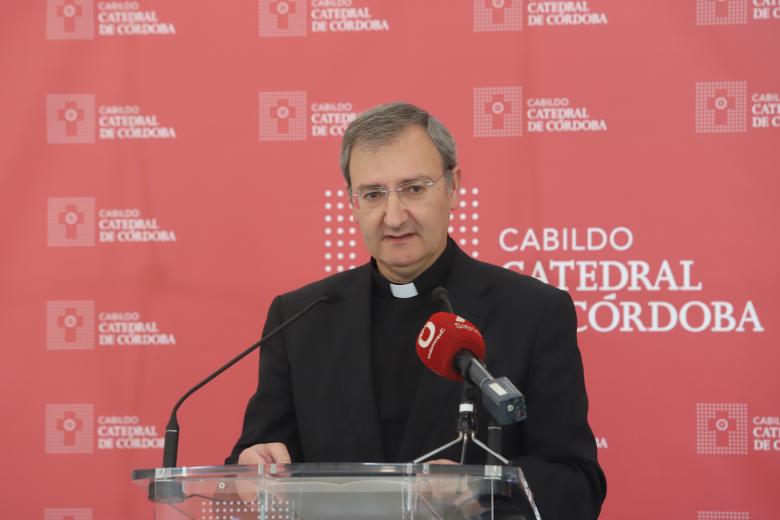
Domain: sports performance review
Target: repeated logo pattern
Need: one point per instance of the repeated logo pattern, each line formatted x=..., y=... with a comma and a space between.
x=283, y=116
x=721, y=107
x=722, y=515
x=721, y=429
x=498, y=15
x=498, y=111
x=70, y=325
x=71, y=222
x=70, y=118
x=70, y=19
x=67, y=514
x=69, y=428
x=721, y=12
x=282, y=18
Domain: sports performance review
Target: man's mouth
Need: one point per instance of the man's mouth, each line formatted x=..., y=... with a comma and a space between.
x=399, y=238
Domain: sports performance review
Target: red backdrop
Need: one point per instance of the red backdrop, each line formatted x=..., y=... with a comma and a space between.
x=168, y=167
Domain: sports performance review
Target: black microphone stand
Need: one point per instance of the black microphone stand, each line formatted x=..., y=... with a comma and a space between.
x=467, y=411
x=170, y=491
x=467, y=430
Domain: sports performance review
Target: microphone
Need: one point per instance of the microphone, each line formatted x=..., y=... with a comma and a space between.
x=171, y=445
x=443, y=338
x=441, y=296
x=454, y=348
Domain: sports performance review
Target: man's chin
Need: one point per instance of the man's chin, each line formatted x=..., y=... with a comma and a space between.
x=403, y=264
x=401, y=269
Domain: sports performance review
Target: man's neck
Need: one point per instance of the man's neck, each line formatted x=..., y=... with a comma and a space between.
x=403, y=277
x=408, y=276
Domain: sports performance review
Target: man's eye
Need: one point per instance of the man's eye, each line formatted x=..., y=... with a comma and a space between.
x=372, y=195
x=415, y=189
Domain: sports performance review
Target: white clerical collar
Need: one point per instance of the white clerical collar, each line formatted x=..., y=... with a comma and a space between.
x=407, y=290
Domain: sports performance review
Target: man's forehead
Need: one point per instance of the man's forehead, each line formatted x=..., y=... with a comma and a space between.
x=409, y=156
x=374, y=147
x=378, y=139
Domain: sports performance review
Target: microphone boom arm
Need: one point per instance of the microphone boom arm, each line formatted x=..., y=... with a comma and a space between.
x=171, y=445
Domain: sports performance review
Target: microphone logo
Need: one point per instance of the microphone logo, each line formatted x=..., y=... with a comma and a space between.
x=429, y=330
x=428, y=337
x=463, y=324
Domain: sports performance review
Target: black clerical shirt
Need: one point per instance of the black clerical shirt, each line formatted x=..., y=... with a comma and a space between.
x=395, y=323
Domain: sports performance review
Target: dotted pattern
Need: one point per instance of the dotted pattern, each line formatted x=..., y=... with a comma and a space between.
x=71, y=222
x=498, y=111
x=498, y=15
x=69, y=428
x=70, y=118
x=721, y=107
x=282, y=18
x=67, y=513
x=227, y=509
x=70, y=325
x=722, y=515
x=277, y=509
x=341, y=233
x=721, y=12
x=464, y=223
x=283, y=116
x=721, y=429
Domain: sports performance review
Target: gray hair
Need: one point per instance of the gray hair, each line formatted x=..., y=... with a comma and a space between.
x=383, y=124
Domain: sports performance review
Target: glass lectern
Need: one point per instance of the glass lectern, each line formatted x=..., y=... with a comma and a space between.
x=338, y=492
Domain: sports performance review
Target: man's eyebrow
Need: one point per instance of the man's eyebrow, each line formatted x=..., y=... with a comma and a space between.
x=403, y=181
x=420, y=177
x=369, y=185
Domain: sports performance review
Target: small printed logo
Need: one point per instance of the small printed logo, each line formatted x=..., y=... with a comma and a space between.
x=69, y=428
x=721, y=12
x=282, y=18
x=70, y=325
x=283, y=116
x=67, y=514
x=340, y=233
x=498, y=112
x=721, y=107
x=722, y=515
x=464, y=224
x=70, y=20
x=498, y=15
x=721, y=429
x=70, y=118
x=76, y=20
x=71, y=222
x=293, y=18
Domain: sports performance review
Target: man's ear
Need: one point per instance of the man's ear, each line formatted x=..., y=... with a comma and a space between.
x=455, y=187
x=351, y=202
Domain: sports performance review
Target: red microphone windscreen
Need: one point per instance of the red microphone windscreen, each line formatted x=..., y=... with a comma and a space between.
x=442, y=337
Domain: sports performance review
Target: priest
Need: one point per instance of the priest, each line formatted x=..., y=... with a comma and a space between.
x=344, y=383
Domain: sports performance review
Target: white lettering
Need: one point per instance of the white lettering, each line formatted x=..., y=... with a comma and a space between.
x=607, y=315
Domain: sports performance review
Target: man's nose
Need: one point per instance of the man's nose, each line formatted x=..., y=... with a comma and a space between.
x=395, y=210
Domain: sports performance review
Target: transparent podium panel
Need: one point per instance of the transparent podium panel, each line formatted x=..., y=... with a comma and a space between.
x=338, y=492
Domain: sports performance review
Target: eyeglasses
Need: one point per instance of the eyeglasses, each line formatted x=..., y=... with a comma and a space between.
x=373, y=197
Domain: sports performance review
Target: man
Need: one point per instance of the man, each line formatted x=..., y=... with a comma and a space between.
x=344, y=384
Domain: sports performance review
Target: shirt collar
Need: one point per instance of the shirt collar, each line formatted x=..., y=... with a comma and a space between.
x=407, y=290
x=435, y=275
